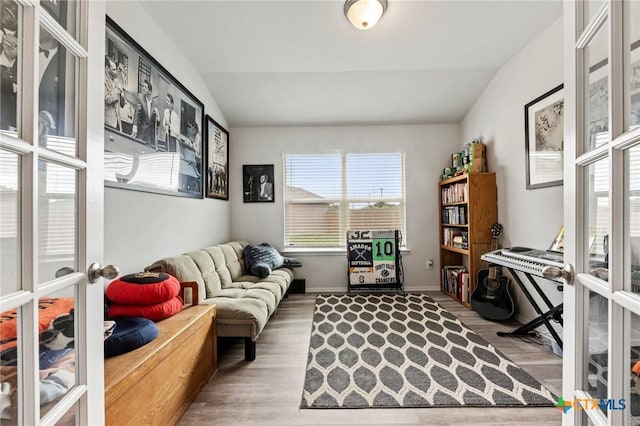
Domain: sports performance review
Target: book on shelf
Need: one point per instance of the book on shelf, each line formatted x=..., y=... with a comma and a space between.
x=457, y=238
x=457, y=193
x=454, y=215
x=465, y=278
x=452, y=279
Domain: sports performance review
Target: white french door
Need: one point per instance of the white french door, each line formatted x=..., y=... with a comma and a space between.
x=51, y=217
x=601, y=364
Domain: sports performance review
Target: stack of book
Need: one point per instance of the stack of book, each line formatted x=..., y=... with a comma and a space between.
x=456, y=281
x=454, y=215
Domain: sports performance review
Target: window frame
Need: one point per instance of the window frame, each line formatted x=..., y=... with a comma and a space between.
x=343, y=200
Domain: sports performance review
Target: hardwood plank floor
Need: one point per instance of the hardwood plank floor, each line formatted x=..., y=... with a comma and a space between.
x=268, y=390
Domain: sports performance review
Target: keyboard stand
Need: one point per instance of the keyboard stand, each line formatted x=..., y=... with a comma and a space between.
x=553, y=312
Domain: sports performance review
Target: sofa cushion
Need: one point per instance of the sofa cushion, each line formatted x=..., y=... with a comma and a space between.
x=207, y=268
x=220, y=263
x=233, y=253
x=182, y=267
x=273, y=287
x=238, y=309
x=143, y=288
x=279, y=277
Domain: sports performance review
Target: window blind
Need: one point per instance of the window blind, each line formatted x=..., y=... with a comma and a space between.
x=327, y=194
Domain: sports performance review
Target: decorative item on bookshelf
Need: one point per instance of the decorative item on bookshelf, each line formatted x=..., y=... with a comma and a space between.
x=472, y=159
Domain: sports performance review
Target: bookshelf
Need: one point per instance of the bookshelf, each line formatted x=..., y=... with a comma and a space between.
x=468, y=208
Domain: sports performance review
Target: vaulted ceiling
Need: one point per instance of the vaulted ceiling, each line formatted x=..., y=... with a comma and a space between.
x=291, y=63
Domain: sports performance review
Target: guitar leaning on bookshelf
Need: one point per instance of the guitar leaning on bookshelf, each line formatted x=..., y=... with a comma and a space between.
x=491, y=298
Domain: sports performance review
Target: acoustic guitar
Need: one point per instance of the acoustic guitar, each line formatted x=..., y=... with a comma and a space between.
x=491, y=298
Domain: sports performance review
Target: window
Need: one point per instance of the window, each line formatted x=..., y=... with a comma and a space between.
x=327, y=194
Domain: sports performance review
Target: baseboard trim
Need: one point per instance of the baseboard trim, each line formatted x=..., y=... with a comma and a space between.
x=343, y=289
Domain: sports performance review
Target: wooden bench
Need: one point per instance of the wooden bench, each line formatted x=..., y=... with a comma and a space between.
x=156, y=383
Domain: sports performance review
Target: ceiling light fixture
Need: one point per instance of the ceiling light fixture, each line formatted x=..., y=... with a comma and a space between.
x=364, y=14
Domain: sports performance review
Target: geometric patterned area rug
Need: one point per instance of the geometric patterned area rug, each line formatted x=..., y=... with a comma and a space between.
x=377, y=350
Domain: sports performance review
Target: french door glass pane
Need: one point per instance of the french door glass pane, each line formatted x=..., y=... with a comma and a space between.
x=632, y=184
x=57, y=330
x=10, y=56
x=9, y=223
x=591, y=7
x=57, y=210
x=64, y=12
x=9, y=366
x=597, y=349
x=597, y=217
x=57, y=96
x=633, y=397
x=597, y=90
x=69, y=418
x=632, y=20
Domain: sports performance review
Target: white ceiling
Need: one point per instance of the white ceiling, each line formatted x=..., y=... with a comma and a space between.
x=286, y=63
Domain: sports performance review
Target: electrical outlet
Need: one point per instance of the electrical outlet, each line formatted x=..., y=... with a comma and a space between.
x=430, y=264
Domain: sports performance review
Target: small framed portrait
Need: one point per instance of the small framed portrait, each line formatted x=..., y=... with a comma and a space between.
x=217, y=160
x=258, y=185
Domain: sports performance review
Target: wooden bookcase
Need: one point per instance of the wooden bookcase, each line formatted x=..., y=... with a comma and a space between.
x=468, y=206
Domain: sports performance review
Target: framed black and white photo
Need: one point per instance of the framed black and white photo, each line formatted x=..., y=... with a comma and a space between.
x=258, y=183
x=634, y=86
x=544, y=139
x=153, y=124
x=597, y=120
x=217, y=183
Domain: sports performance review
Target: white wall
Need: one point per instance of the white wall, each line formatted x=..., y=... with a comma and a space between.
x=428, y=149
x=530, y=217
x=142, y=227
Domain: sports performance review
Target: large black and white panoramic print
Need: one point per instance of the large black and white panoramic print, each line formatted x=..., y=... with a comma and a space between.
x=152, y=123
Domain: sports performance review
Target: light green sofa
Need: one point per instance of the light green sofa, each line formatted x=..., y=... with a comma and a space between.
x=244, y=302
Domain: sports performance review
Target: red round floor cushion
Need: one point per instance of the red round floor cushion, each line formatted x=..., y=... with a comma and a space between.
x=143, y=288
x=155, y=312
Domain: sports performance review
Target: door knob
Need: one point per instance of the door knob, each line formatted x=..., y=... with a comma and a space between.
x=553, y=273
x=95, y=272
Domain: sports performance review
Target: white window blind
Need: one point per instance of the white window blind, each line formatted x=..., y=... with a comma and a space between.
x=328, y=194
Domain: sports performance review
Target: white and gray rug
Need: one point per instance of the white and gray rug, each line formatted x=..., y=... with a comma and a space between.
x=406, y=351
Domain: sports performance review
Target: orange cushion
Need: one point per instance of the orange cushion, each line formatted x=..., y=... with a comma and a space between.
x=48, y=309
x=143, y=288
x=156, y=312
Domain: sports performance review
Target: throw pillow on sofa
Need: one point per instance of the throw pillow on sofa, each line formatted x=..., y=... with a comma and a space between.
x=262, y=259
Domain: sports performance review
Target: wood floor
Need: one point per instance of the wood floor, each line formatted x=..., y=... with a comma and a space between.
x=267, y=391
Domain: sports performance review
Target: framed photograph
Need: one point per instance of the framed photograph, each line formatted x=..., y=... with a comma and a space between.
x=152, y=123
x=597, y=130
x=634, y=85
x=217, y=183
x=258, y=183
x=544, y=139
x=597, y=109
